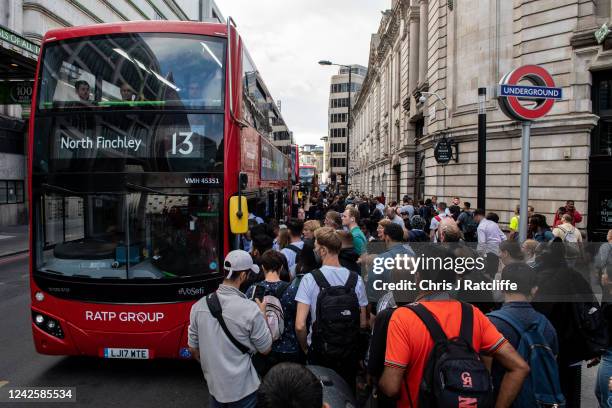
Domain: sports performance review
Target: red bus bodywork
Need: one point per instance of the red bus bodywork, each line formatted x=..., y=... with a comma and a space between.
x=161, y=328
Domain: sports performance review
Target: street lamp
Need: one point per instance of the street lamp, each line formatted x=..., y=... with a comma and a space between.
x=348, y=122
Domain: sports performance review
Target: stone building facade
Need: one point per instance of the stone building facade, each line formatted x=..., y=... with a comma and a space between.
x=451, y=48
x=22, y=26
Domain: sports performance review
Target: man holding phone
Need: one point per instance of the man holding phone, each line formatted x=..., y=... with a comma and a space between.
x=225, y=329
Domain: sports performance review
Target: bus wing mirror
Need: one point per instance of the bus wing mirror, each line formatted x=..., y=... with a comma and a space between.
x=238, y=215
x=243, y=180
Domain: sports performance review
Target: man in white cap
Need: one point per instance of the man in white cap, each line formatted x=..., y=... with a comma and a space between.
x=225, y=329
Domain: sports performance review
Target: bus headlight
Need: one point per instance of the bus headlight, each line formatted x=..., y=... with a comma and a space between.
x=48, y=324
x=39, y=296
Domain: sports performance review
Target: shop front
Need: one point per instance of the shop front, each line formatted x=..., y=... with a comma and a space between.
x=18, y=57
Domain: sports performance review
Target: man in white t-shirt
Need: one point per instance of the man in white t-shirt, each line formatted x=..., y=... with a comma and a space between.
x=327, y=245
x=296, y=244
x=435, y=221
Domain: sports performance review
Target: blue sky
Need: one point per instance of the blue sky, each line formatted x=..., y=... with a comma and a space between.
x=287, y=38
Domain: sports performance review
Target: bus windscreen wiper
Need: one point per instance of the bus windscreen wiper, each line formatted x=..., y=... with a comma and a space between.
x=51, y=271
x=150, y=190
x=143, y=188
x=60, y=189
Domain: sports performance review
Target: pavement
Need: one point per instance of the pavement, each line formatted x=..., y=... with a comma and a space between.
x=13, y=239
x=100, y=382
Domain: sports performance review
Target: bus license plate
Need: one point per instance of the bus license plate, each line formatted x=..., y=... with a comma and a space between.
x=128, y=353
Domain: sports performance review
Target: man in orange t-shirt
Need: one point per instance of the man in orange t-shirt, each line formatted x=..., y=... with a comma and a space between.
x=409, y=343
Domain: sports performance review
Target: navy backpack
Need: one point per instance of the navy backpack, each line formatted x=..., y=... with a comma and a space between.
x=542, y=388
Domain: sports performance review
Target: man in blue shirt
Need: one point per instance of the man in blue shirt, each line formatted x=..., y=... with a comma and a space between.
x=393, y=236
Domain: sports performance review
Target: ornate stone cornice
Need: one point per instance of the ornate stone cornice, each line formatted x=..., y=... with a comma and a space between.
x=549, y=125
x=380, y=44
x=413, y=13
x=45, y=11
x=586, y=38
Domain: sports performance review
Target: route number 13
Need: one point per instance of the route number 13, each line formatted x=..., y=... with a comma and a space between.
x=185, y=146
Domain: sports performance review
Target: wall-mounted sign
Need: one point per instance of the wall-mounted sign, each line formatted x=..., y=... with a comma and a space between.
x=543, y=92
x=443, y=152
x=432, y=114
x=18, y=41
x=602, y=33
x=16, y=92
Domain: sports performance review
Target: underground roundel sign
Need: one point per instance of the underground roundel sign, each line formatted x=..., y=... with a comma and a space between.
x=542, y=92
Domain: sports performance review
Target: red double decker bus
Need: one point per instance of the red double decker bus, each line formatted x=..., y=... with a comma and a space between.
x=309, y=178
x=148, y=146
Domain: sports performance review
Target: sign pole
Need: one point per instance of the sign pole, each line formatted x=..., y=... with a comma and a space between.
x=482, y=149
x=525, y=149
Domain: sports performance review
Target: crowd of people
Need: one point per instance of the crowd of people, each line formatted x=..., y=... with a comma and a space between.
x=300, y=294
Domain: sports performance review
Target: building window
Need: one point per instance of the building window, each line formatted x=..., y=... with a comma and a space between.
x=339, y=117
x=284, y=135
x=339, y=103
x=338, y=132
x=278, y=122
x=398, y=76
x=11, y=192
x=601, y=92
x=343, y=87
x=11, y=142
x=338, y=162
x=338, y=147
x=354, y=70
x=418, y=130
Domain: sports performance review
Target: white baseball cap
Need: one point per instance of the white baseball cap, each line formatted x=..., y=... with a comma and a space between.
x=239, y=260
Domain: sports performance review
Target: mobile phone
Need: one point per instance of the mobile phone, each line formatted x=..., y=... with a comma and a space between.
x=258, y=293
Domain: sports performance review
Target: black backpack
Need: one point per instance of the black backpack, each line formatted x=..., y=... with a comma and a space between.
x=295, y=249
x=455, y=375
x=469, y=226
x=590, y=330
x=335, y=332
x=376, y=357
x=427, y=213
x=378, y=343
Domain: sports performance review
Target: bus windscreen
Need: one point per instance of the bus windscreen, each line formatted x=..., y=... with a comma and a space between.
x=127, y=235
x=133, y=70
